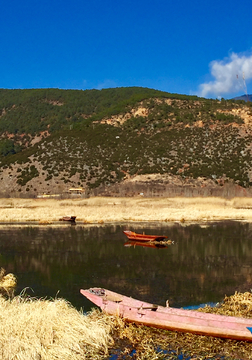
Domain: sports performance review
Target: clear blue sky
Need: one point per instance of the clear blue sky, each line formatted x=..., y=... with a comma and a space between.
x=186, y=47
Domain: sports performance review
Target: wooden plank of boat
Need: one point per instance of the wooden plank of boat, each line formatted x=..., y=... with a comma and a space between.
x=169, y=318
x=131, y=235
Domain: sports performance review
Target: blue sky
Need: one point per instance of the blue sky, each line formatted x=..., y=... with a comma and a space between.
x=186, y=47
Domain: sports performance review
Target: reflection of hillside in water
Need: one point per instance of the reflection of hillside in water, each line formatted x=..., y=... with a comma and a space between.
x=204, y=263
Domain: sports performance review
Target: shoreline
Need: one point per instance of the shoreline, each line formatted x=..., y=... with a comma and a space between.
x=99, y=210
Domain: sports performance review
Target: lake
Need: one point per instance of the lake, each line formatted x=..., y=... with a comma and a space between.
x=204, y=263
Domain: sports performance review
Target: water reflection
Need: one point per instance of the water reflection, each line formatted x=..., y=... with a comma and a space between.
x=204, y=264
x=153, y=245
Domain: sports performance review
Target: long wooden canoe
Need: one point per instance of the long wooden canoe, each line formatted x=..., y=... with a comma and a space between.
x=131, y=235
x=141, y=312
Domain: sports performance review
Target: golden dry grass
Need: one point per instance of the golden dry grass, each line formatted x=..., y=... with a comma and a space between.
x=106, y=209
x=52, y=329
x=48, y=330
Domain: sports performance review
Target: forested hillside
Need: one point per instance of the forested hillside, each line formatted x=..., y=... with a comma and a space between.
x=123, y=141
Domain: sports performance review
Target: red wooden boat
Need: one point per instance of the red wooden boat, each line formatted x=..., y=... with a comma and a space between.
x=143, y=237
x=169, y=318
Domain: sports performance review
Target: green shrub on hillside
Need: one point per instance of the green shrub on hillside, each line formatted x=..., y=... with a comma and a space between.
x=167, y=138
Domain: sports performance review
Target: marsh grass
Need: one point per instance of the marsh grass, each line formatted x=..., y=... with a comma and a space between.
x=151, y=343
x=53, y=329
x=239, y=304
x=50, y=329
x=242, y=203
x=107, y=209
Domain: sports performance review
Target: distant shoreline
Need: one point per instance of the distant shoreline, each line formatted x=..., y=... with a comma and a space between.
x=98, y=210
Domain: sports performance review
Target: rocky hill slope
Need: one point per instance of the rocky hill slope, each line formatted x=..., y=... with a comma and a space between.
x=123, y=142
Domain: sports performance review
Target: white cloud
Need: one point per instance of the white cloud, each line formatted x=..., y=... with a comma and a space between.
x=228, y=75
x=106, y=84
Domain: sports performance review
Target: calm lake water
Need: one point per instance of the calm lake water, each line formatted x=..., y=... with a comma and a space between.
x=205, y=262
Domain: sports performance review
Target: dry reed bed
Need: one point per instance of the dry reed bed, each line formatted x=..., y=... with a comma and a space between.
x=48, y=330
x=106, y=209
x=41, y=329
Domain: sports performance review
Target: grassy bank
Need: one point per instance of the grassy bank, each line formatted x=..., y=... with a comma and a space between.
x=107, y=209
x=48, y=330
x=52, y=329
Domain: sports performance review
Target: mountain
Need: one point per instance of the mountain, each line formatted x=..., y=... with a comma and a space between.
x=123, y=141
x=245, y=98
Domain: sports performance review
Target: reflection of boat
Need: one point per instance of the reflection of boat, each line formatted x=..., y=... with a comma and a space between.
x=149, y=244
x=68, y=218
x=170, y=318
x=143, y=237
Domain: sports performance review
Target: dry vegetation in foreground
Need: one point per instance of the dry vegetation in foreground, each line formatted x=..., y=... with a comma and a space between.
x=52, y=329
x=47, y=330
x=108, y=209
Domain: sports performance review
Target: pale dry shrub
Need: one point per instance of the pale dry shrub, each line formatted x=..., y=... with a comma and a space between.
x=239, y=304
x=8, y=283
x=47, y=330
